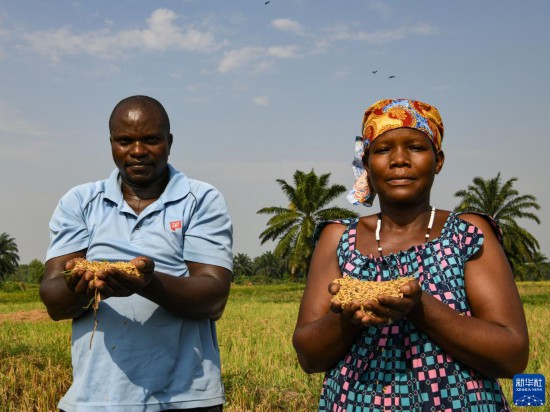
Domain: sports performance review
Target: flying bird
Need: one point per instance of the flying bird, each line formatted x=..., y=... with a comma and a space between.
x=374, y=71
x=391, y=77
x=267, y=2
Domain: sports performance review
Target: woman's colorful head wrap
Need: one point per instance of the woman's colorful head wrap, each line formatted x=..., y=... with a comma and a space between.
x=381, y=117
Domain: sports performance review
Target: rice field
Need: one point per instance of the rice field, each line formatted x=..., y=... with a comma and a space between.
x=259, y=365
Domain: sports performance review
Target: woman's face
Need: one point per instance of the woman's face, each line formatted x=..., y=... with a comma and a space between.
x=402, y=164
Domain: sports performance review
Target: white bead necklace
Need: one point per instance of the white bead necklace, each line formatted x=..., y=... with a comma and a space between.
x=379, y=225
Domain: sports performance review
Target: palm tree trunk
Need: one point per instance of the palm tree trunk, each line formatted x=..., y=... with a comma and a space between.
x=293, y=272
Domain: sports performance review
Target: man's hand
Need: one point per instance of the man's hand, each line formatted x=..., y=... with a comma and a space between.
x=78, y=280
x=115, y=282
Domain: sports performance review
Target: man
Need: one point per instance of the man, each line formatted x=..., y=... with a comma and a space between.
x=155, y=346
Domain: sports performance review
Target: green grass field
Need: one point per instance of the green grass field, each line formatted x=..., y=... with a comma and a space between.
x=260, y=370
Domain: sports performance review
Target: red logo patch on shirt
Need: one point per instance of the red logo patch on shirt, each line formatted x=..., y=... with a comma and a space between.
x=176, y=224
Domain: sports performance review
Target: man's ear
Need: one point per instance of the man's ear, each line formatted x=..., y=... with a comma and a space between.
x=170, y=141
x=439, y=160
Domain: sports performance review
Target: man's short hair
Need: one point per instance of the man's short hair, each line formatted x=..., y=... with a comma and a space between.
x=141, y=101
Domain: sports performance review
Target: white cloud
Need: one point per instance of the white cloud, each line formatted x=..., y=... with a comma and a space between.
x=261, y=100
x=320, y=46
x=234, y=59
x=162, y=33
x=423, y=29
x=287, y=25
x=262, y=67
x=260, y=59
x=342, y=32
x=384, y=9
x=283, y=52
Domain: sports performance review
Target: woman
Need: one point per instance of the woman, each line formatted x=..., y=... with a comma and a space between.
x=460, y=323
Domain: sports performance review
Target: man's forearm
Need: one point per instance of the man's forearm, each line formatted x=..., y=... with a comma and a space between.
x=60, y=302
x=196, y=297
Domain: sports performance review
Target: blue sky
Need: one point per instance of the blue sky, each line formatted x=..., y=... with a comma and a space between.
x=256, y=91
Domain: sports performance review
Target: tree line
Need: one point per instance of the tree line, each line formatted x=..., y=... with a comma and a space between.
x=292, y=227
x=11, y=270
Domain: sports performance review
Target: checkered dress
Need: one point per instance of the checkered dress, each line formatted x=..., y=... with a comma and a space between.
x=398, y=367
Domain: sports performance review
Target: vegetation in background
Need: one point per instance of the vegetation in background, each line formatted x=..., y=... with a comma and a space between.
x=266, y=268
x=243, y=266
x=32, y=272
x=293, y=226
x=9, y=255
x=537, y=269
x=504, y=203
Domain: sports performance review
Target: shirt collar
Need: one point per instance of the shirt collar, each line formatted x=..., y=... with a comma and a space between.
x=177, y=188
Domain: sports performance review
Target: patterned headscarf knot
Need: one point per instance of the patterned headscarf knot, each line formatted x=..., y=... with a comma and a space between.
x=382, y=116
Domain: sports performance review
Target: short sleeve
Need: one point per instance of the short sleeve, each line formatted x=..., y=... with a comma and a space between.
x=322, y=224
x=494, y=225
x=469, y=237
x=68, y=230
x=208, y=238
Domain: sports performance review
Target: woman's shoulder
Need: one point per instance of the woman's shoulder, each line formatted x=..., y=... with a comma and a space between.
x=481, y=222
x=335, y=223
x=334, y=227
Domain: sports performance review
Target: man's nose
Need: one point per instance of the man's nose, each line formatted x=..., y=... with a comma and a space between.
x=138, y=149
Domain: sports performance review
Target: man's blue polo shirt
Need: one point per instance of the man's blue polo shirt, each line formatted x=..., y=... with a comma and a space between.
x=141, y=354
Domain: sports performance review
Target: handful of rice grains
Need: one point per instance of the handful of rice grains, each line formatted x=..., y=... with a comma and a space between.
x=83, y=264
x=352, y=289
x=97, y=266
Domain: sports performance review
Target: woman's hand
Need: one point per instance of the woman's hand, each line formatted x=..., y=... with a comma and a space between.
x=387, y=310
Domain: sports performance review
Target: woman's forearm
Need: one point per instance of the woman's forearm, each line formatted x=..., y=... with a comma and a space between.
x=322, y=343
x=492, y=349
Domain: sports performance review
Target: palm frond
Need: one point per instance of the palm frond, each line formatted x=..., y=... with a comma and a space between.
x=503, y=202
x=293, y=226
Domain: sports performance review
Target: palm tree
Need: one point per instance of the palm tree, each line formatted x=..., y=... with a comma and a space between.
x=267, y=264
x=537, y=268
x=502, y=202
x=242, y=265
x=294, y=225
x=9, y=257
